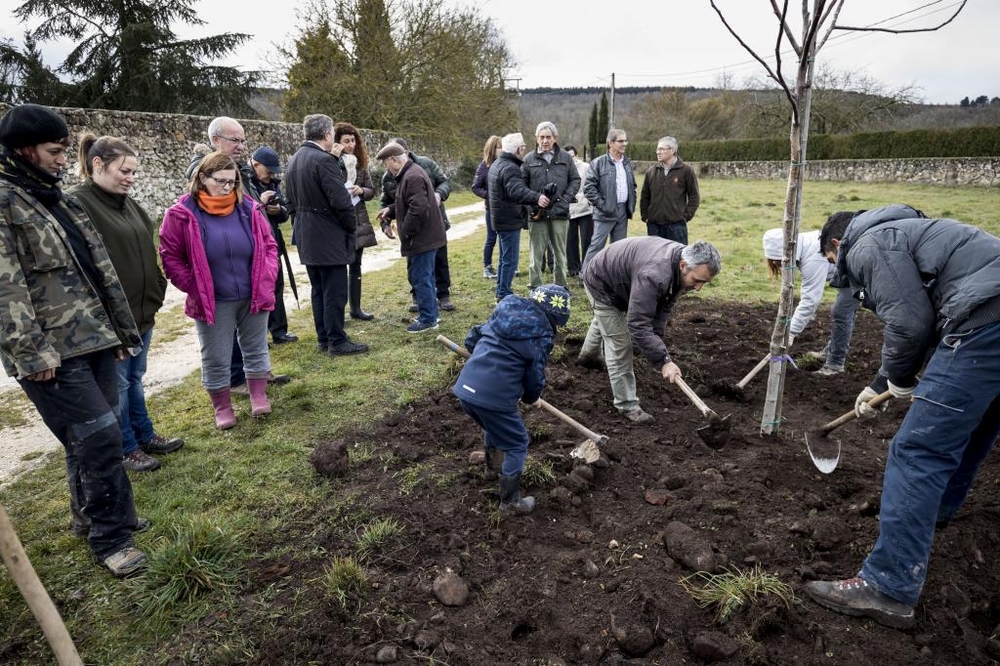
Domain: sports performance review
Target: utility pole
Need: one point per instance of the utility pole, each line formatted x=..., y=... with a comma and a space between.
x=611, y=114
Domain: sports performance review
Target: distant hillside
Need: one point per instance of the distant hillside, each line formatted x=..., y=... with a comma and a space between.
x=733, y=114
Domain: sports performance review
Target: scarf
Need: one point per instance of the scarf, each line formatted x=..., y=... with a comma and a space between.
x=220, y=205
x=40, y=184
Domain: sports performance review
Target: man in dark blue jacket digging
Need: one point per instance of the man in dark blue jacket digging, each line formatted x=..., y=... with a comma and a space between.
x=509, y=355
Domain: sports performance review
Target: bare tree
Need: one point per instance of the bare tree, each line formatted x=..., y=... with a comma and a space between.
x=819, y=21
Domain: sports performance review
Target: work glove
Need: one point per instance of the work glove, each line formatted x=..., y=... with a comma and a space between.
x=900, y=392
x=861, y=407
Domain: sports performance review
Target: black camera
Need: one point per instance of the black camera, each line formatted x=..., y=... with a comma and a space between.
x=276, y=200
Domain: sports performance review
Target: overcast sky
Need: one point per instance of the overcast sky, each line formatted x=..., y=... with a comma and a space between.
x=676, y=43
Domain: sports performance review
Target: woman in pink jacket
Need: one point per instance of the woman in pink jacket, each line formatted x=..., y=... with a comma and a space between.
x=217, y=248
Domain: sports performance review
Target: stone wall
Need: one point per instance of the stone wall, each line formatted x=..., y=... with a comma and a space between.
x=952, y=171
x=165, y=144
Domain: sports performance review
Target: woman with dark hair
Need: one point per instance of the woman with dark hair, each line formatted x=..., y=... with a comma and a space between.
x=107, y=167
x=480, y=186
x=66, y=323
x=217, y=248
x=359, y=185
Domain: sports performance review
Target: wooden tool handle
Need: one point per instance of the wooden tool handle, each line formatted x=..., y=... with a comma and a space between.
x=753, y=373
x=16, y=561
x=851, y=415
x=582, y=429
x=698, y=402
x=568, y=420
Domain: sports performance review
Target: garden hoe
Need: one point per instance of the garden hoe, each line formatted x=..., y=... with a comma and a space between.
x=716, y=432
x=824, y=450
x=588, y=450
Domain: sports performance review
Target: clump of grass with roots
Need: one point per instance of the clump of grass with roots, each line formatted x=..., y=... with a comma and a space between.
x=734, y=589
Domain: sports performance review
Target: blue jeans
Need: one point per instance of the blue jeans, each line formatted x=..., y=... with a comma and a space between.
x=844, y=310
x=675, y=231
x=503, y=431
x=420, y=271
x=510, y=250
x=615, y=228
x=491, y=241
x=80, y=408
x=135, y=422
x=933, y=459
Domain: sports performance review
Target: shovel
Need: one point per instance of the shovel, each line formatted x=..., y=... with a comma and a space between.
x=588, y=450
x=824, y=451
x=716, y=432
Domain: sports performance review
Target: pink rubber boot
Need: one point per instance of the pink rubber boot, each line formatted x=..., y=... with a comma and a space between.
x=259, y=404
x=224, y=416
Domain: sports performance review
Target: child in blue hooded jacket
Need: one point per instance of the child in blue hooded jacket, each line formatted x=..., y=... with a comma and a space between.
x=509, y=355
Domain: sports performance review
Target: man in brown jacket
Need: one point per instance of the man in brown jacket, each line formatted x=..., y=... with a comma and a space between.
x=632, y=286
x=421, y=231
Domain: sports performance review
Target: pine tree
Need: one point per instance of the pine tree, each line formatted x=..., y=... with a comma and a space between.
x=127, y=57
x=602, y=119
x=592, y=133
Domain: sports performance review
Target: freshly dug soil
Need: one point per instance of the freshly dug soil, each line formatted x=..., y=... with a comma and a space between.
x=587, y=578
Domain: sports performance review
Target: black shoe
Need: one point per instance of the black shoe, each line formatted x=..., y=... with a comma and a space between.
x=137, y=461
x=347, y=348
x=160, y=445
x=278, y=380
x=855, y=596
x=285, y=338
x=362, y=315
x=413, y=308
x=445, y=304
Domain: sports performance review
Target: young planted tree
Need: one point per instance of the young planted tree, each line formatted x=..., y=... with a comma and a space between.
x=819, y=21
x=128, y=57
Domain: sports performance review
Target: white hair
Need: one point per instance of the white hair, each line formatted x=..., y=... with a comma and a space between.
x=215, y=127
x=511, y=142
x=669, y=142
x=546, y=125
x=702, y=253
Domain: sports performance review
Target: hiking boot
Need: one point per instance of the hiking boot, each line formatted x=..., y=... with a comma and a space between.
x=161, y=445
x=139, y=461
x=413, y=308
x=125, y=562
x=829, y=370
x=638, y=416
x=856, y=597
x=239, y=389
x=277, y=380
x=419, y=327
x=489, y=273
x=348, y=348
x=445, y=304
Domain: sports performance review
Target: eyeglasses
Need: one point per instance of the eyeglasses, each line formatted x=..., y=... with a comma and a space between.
x=223, y=182
x=241, y=142
x=621, y=140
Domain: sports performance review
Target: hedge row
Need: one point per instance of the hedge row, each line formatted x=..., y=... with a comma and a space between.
x=961, y=142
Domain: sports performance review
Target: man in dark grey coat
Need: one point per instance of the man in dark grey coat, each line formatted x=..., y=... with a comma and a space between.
x=936, y=286
x=324, y=221
x=632, y=286
x=550, y=166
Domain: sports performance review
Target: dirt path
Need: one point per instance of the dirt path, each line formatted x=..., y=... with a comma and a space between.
x=171, y=362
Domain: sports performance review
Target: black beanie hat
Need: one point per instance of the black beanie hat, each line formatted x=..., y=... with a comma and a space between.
x=30, y=125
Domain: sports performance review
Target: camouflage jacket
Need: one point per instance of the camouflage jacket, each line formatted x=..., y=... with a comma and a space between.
x=48, y=308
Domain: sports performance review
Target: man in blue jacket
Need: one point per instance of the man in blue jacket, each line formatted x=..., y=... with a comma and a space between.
x=936, y=286
x=509, y=355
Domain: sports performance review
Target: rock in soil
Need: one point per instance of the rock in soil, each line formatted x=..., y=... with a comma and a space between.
x=387, y=654
x=687, y=546
x=450, y=589
x=713, y=646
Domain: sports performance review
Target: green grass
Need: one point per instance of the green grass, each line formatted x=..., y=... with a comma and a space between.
x=734, y=589
x=228, y=499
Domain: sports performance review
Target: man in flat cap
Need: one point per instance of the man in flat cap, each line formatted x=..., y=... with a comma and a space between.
x=421, y=232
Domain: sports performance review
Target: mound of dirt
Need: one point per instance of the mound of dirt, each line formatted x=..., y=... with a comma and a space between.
x=592, y=575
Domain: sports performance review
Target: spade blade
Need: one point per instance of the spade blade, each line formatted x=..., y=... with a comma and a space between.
x=823, y=450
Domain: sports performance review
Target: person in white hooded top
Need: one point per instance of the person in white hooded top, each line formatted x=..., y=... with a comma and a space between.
x=816, y=271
